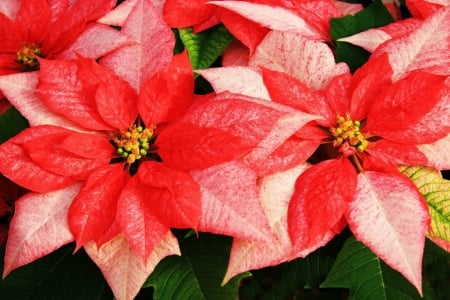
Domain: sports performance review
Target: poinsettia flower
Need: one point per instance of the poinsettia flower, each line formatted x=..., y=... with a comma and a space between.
x=133, y=143
x=54, y=30
x=33, y=29
x=362, y=147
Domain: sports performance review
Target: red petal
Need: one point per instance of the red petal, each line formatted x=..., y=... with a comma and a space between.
x=46, y=153
x=424, y=8
x=94, y=209
x=168, y=93
x=34, y=19
x=402, y=105
x=63, y=91
x=39, y=226
x=88, y=146
x=336, y=94
x=318, y=14
x=180, y=206
x=395, y=154
x=135, y=213
x=291, y=153
x=72, y=20
x=367, y=82
x=20, y=168
x=180, y=13
x=153, y=48
x=384, y=203
x=290, y=91
x=235, y=55
x=214, y=132
x=321, y=197
x=231, y=203
x=115, y=99
x=246, y=31
x=20, y=89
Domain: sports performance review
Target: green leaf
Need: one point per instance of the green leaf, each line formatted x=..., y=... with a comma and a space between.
x=205, y=47
x=375, y=15
x=197, y=273
x=436, y=192
x=11, y=123
x=59, y=275
x=436, y=270
x=367, y=277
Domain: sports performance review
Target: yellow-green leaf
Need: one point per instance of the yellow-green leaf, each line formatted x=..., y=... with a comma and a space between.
x=436, y=191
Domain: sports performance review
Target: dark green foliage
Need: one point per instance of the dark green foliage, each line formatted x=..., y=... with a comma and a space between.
x=375, y=15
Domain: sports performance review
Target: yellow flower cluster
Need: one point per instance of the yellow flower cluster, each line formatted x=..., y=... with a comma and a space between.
x=347, y=130
x=134, y=143
x=27, y=55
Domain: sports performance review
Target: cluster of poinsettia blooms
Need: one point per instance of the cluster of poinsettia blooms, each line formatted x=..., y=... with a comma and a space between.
x=288, y=150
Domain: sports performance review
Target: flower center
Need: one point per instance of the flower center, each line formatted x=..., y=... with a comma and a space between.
x=347, y=136
x=27, y=56
x=134, y=143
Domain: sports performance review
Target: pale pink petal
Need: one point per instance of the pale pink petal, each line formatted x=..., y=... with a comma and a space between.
x=374, y=37
x=118, y=15
x=229, y=210
x=368, y=40
x=275, y=192
x=153, y=48
x=20, y=90
x=240, y=80
x=96, y=41
x=348, y=8
x=390, y=217
x=289, y=123
x=39, y=226
x=273, y=17
x=314, y=62
x=425, y=48
x=9, y=8
x=123, y=269
x=285, y=127
x=438, y=153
